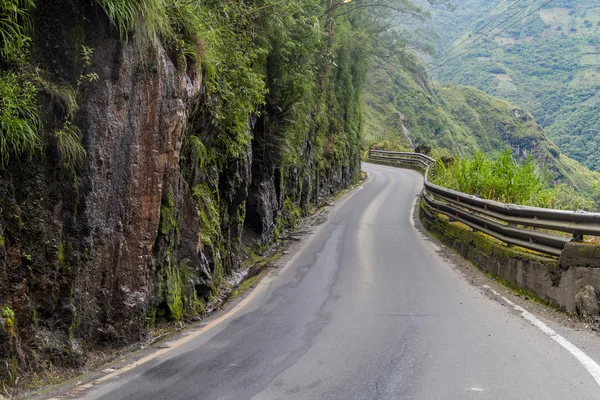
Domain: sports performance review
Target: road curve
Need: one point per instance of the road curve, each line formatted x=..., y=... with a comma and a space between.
x=366, y=309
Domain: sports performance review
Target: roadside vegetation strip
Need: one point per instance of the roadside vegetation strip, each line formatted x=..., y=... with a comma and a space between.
x=588, y=363
x=504, y=180
x=543, y=230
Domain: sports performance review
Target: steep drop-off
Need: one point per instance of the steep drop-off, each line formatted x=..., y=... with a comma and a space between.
x=542, y=57
x=459, y=120
x=195, y=145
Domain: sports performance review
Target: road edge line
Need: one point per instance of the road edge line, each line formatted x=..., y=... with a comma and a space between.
x=588, y=363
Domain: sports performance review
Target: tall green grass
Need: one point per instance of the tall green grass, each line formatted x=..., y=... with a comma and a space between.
x=504, y=179
x=68, y=141
x=152, y=20
x=19, y=113
x=19, y=117
x=15, y=23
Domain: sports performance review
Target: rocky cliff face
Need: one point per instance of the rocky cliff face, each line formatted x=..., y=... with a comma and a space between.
x=141, y=231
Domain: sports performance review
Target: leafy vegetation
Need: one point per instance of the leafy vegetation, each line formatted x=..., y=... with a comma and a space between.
x=508, y=181
x=20, y=84
x=15, y=24
x=19, y=116
x=596, y=188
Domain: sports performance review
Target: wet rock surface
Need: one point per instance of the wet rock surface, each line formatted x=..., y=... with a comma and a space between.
x=91, y=257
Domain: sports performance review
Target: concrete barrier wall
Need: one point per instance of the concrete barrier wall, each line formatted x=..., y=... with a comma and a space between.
x=556, y=281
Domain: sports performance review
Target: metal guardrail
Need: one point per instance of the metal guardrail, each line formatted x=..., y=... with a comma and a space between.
x=510, y=223
x=407, y=158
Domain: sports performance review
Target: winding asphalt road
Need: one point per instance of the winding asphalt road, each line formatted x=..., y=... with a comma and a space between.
x=366, y=309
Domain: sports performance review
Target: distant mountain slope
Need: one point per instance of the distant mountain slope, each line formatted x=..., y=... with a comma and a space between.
x=548, y=63
x=402, y=106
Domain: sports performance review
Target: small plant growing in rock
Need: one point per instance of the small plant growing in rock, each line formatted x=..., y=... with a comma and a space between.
x=68, y=138
x=9, y=317
x=86, y=57
x=68, y=141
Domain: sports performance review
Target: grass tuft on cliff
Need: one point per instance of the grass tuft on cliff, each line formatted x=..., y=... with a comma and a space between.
x=19, y=117
x=19, y=114
x=15, y=23
x=68, y=141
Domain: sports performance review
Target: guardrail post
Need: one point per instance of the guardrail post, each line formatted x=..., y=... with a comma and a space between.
x=577, y=237
x=580, y=254
x=508, y=244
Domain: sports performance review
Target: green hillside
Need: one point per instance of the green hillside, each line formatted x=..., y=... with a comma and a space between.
x=404, y=109
x=548, y=63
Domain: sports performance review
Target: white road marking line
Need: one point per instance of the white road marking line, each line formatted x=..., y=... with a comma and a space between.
x=588, y=363
x=411, y=214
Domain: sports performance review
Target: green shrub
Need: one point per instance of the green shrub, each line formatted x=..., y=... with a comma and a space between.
x=565, y=197
x=505, y=180
x=501, y=179
x=19, y=116
x=596, y=189
x=231, y=78
x=15, y=23
x=389, y=145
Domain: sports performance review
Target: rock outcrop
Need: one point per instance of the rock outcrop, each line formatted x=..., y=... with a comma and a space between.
x=92, y=256
x=586, y=303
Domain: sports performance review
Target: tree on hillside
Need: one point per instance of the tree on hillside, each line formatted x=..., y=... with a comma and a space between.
x=382, y=21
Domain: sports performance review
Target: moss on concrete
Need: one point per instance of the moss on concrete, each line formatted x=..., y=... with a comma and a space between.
x=580, y=254
x=529, y=274
x=445, y=230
